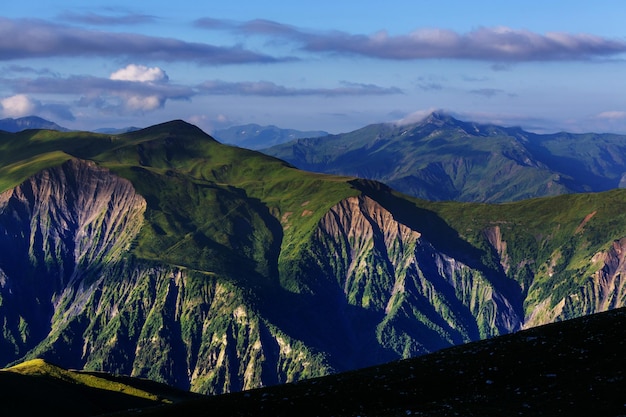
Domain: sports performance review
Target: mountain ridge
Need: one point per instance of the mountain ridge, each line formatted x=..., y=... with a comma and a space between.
x=29, y=122
x=233, y=270
x=254, y=136
x=442, y=158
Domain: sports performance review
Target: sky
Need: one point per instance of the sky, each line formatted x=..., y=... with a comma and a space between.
x=336, y=65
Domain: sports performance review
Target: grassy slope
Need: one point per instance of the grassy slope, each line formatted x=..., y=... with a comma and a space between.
x=181, y=171
x=72, y=393
x=176, y=167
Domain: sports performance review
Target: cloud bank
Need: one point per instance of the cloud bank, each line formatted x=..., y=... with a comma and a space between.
x=270, y=89
x=492, y=44
x=134, y=88
x=29, y=38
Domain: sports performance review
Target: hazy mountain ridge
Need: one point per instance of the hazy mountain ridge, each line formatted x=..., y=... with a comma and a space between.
x=30, y=122
x=219, y=269
x=254, y=136
x=441, y=158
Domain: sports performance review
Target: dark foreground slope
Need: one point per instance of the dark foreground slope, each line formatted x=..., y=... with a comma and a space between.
x=37, y=387
x=576, y=367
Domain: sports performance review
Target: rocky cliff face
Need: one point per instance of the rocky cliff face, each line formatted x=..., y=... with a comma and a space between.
x=54, y=229
x=368, y=286
x=423, y=298
x=602, y=289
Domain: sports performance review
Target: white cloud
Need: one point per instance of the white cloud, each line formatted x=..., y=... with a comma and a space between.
x=612, y=115
x=19, y=105
x=416, y=116
x=144, y=103
x=139, y=102
x=140, y=73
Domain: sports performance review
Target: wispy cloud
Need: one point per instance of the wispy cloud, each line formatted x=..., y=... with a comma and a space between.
x=499, y=44
x=270, y=89
x=22, y=69
x=28, y=38
x=487, y=92
x=98, y=19
x=612, y=115
x=500, y=67
x=430, y=86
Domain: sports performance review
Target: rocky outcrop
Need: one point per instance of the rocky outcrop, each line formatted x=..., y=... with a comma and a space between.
x=425, y=299
x=54, y=228
x=602, y=288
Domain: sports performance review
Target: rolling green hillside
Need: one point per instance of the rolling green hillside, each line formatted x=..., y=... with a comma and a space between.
x=441, y=158
x=166, y=255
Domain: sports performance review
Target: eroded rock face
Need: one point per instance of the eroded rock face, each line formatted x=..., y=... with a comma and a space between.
x=77, y=213
x=53, y=227
x=425, y=298
x=603, y=290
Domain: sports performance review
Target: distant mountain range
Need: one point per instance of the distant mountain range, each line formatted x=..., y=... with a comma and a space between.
x=442, y=158
x=29, y=122
x=250, y=136
x=253, y=136
x=116, y=131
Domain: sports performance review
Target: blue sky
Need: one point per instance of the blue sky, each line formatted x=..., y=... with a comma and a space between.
x=323, y=65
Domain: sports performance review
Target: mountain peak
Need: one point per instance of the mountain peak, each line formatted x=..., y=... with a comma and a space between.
x=179, y=127
x=28, y=122
x=439, y=118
